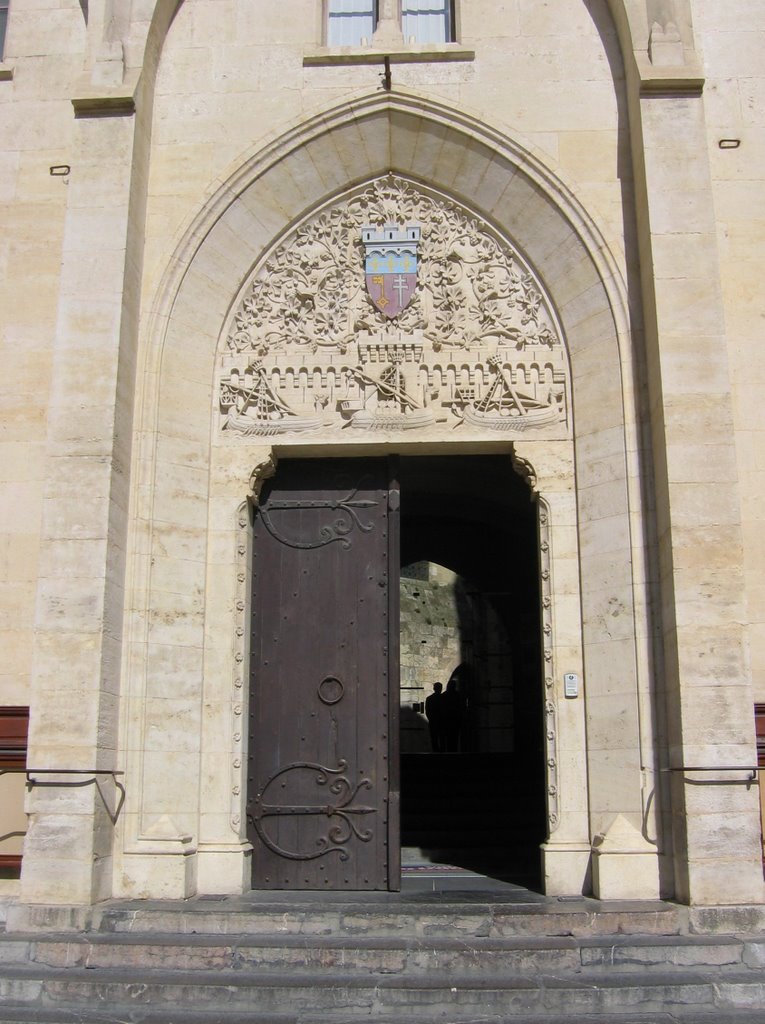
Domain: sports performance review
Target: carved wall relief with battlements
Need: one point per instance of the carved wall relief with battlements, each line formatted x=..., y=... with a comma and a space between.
x=393, y=310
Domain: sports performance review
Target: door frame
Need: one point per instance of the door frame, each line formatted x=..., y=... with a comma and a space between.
x=548, y=469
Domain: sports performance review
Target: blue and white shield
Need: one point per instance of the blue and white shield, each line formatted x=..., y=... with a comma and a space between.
x=390, y=265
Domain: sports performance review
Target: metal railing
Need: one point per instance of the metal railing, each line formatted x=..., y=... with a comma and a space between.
x=93, y=779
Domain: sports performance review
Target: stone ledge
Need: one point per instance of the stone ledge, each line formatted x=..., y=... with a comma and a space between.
x=324, y=56
x=103, y=106
x=686, y=80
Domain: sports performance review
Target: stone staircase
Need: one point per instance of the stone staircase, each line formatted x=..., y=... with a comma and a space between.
x=437, y=956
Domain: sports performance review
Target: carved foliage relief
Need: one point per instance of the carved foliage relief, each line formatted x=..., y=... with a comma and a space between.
x=475, y=349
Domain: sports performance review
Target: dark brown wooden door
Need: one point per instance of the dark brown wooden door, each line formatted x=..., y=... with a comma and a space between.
x=323, y=747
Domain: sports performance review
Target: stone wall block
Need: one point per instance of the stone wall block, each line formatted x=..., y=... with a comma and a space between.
x=707, y=599
x=171, y=724
x=200, y=305
x=566, y=273
x=356, y=162
x=176, y=415
x=399, y=134
x=608, y=612
x=309, y=176
x=720, y=658
x=705, y=416
x=492, y=193
x=610, y=717
x=183, y=498
x=690, y=304
x=323, y=155
x=172, y=539
x=171, y=783
x=176, y=672
x=427, y=151
x=615, y=792
x=714, y=715
x=451, y=161
x=178, y=620
x=704, y=501
x=70, y=876
x=602, y=501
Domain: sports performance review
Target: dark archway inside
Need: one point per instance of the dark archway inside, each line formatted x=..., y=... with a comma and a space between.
x=474, y=799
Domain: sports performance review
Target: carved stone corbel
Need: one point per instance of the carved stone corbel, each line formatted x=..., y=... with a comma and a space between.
x=261, y=471
x=525, y=470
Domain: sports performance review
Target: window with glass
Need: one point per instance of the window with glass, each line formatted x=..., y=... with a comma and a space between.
x=3, y=24
x=427, y=21
x=349, y=22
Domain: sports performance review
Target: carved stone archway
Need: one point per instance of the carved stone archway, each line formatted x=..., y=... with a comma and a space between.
x=193, y=465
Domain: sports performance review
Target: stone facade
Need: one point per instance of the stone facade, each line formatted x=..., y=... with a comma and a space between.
x=185, y=186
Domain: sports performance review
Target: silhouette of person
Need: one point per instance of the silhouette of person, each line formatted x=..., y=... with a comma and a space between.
x=453, y=714
x=435, y=716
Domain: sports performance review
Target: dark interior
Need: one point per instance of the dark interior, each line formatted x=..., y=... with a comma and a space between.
x=481, y=810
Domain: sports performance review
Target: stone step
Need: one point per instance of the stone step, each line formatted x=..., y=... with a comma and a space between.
x=422, y=915
x=161, y=1015
x=338, y=995
x=299, y=958
x=435, y=956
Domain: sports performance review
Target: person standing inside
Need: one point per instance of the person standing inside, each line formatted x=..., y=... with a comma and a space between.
x=434, y=713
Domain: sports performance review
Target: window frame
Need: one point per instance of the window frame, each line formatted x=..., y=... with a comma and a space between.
x=451, y=11
x=327, y=14
x=450, y=34
x=14, y=733
x=5, y=6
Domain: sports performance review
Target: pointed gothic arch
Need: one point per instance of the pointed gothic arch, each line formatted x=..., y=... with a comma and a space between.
x=187, y=541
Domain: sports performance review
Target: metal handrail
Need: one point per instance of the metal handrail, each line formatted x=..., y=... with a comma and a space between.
x=73, y=771
x=92, y=772
x=715, y=768
x=59, y=771
x=752, y=769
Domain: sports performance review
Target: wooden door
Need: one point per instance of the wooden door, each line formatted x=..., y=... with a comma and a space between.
x=323, y=747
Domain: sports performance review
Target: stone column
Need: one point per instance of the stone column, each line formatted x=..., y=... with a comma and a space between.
x=549, y=470
x=707, y=687
x=76, y=668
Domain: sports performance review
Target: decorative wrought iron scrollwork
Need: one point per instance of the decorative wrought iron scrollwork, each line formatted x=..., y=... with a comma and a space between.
x=341, y=826
x=339, y=530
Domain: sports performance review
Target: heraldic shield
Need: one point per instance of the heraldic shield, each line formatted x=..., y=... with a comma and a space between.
x=391, y=265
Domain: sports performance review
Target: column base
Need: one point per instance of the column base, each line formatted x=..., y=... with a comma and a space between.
x=625, y=866
x=224, y=870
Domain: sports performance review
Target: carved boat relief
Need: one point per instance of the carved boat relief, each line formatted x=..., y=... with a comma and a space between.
x=393, y=310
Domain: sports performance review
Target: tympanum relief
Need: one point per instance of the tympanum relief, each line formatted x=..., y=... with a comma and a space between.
x=393, y=310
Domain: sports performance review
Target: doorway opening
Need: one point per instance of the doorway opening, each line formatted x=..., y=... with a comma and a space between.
x=337, y=690
x=472, y=768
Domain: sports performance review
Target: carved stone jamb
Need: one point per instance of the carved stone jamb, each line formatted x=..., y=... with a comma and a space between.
x=524, y=468
x=261, y=472
x=240, y=664
x=551, y=707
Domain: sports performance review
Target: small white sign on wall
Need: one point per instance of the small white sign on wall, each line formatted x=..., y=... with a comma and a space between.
x=570, y=684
